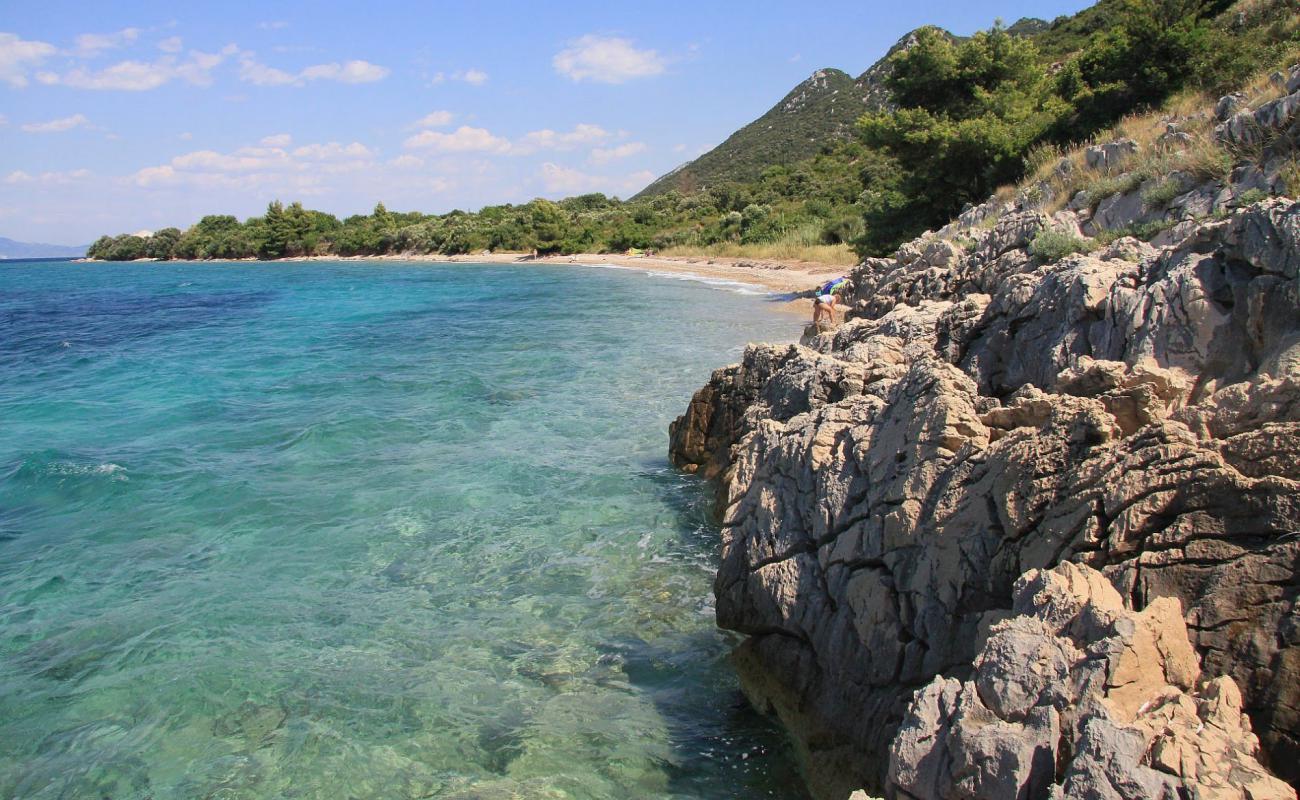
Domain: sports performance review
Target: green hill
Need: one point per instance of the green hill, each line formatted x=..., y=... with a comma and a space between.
x=815, y=115
x=818, y=112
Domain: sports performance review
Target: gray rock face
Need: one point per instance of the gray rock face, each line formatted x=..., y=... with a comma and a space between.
x=1254, y=128
x=1077, y=696
x=983, y=415
x=1228, y=105
x=1108, y=157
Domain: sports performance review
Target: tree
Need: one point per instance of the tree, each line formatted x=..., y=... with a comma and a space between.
x=967, y=113
x=1152, y=50
x=162, y=243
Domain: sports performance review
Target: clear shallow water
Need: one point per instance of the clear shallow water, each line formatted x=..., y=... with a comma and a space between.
x=363, y=530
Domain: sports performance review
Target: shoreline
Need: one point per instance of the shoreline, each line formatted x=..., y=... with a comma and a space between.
x=775, y=276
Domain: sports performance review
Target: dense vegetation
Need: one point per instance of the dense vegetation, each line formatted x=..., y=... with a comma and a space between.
x=958, y=118
x=813, y=199
x=967, y=114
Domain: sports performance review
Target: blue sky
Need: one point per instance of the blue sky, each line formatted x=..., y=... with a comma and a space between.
x=127, y=116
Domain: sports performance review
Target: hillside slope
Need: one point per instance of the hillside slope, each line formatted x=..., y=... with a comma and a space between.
x=817, y=112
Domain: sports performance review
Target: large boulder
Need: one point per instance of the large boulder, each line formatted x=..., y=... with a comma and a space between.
x=1077, y=696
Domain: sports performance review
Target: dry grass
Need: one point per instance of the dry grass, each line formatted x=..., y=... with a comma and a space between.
x=834, y=254
x=1205, y=158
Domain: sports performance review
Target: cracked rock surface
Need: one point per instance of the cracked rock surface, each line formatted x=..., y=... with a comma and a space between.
x=1077, y=696
x=984, y=415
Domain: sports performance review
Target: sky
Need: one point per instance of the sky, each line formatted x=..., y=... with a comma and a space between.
x=127, y=116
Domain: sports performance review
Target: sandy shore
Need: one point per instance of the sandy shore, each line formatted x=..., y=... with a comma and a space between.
x=775, y=276
x=778, y=277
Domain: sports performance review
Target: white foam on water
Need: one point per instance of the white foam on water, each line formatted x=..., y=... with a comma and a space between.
x=113, y=471
x=737, y=287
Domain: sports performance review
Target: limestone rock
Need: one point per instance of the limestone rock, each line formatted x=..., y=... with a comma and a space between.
x=1077, y=696
x=1228, y=105
x=1108, y=157
x=1252, y=128
x=982, y=415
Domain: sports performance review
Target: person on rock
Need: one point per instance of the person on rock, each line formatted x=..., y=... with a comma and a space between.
x=828, y=296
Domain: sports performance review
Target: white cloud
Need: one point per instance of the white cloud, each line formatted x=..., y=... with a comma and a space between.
x=90, y=45
x=154, y=176
x=547, y=139
x=171, y=44
x=474, y=77
x=47, y=178
x=407, y=161
x=564, y=180
x=466, y=139
x=140, y=76
x=278, y=140
x=463, y=140
x=347, y=72
x=355, y=71
x=606, y=59
x=603, y=155
x=434, y=119
x=130, y=76
x=259, y=74
x=300, y=170
x=18, y=55
x=243, y=160
x=57, y=125
x=186, y=136
x=333, y=151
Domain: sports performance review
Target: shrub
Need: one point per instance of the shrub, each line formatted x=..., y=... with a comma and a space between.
x=1249, y=197
x=1158, y=196
x=1052, y=245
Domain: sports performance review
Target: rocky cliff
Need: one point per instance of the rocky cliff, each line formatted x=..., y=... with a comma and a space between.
x=986, y=415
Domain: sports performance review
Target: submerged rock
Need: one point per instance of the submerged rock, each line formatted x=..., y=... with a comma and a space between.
x=985, y=415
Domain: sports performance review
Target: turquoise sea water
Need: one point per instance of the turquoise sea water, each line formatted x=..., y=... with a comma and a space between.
x=363, y=530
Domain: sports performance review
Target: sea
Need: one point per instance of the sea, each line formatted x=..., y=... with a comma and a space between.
x=365, y=530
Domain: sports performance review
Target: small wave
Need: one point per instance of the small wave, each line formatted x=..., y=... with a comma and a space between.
x=115, y=472
x=45, y=465
x=722, y=283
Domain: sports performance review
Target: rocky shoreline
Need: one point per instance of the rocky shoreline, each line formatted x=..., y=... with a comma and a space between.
x=891, y=491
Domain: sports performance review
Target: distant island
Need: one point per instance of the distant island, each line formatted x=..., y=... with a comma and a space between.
x=11, y=249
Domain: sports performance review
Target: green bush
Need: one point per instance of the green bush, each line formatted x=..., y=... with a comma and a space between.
x=1053, y=245
x=1158, y=196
